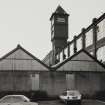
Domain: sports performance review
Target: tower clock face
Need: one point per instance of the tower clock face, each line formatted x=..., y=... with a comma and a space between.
x=61, y=20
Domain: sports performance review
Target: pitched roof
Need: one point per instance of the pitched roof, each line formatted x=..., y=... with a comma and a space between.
x=82, y=61
x=29, y=57
x=60, y=10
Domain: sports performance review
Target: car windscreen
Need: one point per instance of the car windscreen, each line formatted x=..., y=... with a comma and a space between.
x=64, y=93
x=73, y=93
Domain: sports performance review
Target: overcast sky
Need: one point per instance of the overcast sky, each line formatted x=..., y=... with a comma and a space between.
x=26, y=22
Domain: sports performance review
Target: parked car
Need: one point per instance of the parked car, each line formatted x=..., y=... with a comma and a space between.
x=16, y=100
x=71, y=96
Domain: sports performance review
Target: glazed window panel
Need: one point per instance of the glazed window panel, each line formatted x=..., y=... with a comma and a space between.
x=101, y=54
x=62, y=20
x=52, y=28
x=71, y=49
x=66, y=51
x=57, y=56
x=79, y=44
x=52, y=34
x=52, y=22
x=101, y=30
x=61, y=56
x=89, y=38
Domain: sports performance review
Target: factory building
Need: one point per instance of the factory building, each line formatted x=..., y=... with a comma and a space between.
x=76, y=64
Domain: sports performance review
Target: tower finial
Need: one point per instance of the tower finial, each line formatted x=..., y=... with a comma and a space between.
x=18, y=46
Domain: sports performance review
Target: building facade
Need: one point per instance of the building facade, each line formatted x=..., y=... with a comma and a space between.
x=78, y=64
x=20, y=70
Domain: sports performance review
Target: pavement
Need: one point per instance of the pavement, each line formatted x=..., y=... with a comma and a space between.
x=92, y=102
x=84, y=102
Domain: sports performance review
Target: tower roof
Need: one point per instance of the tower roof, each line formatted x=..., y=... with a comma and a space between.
x=59, y=11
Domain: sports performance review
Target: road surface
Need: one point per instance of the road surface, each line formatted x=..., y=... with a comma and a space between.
x=84, y=102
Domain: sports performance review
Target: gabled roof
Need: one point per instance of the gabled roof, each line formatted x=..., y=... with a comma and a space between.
x=81, y=61
x=14, y=55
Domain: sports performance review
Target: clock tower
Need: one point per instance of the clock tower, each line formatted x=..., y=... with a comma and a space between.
x=59, y=29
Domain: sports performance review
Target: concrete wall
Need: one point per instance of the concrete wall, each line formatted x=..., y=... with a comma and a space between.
x=19, y=81
x=88, y=83
x=11, y=81
x=53, y=82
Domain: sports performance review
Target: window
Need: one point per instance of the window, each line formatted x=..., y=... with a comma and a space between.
x=65, y=93
x=89, y=38
x=57, y=58
x=62, y=20
x=61, y=56
x=66, y=51
x=101, y=30
x=79, y=44
x=52, y=34
x=52, y=22
x=101, y=54
x=52, y=28
x=71, y=49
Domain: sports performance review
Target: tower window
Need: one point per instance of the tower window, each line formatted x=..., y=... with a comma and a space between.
x=52, y=22
x=52, y=34
x=61, y=20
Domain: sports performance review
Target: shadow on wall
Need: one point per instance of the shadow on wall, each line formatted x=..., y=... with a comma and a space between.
x=40, y=95
x=100, y=95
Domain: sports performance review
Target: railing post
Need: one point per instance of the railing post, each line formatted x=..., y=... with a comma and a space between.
x=83, y=38
x=95, y=37
x=68, y=49
x=64, y=56
x=75, y=44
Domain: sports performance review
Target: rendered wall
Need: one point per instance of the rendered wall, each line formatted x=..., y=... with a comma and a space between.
x=10, y=81
x=88, y=83
x=18, y=81
x=54, y=83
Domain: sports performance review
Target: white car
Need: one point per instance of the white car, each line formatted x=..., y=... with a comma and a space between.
x=16, y=100
x=71, y=96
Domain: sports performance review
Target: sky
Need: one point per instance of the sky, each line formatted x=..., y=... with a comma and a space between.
x=26, y=22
